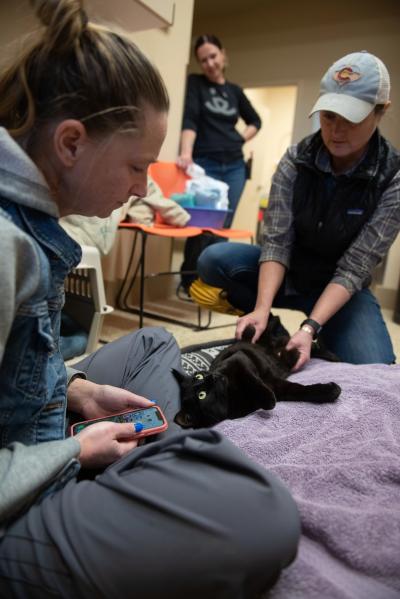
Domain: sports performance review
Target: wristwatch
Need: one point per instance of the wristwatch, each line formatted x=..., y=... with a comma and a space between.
x=312, y=327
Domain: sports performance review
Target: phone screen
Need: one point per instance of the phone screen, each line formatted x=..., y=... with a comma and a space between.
x=149, y=417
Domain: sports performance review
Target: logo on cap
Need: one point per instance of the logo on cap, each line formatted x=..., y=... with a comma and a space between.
x=346, y=75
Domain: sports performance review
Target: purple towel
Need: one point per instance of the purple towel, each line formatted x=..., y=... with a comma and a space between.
x=341, y=462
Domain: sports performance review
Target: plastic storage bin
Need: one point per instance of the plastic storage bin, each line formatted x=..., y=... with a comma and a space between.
x=206, y=217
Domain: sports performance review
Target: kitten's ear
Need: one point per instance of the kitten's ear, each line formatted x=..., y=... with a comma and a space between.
x=261, y=394
x=275, y=331
x=180, y=377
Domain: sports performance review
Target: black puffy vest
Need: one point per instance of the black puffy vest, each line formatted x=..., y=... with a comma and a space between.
x=329, y=212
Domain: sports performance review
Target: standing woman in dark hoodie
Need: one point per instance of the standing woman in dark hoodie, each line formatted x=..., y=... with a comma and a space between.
x=212, y=108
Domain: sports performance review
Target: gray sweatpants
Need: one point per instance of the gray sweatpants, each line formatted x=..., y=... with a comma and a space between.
x=186, y=517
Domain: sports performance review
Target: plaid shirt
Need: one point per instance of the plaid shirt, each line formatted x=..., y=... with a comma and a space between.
x=354, y=268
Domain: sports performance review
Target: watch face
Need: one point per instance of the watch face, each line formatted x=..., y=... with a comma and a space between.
x=314, y=326
x=306, y=327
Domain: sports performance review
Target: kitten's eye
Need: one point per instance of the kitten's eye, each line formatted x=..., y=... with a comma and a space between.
x=199, y=376
x=202, y=395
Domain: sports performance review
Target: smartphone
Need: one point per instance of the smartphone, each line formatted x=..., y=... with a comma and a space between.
x=152, y=420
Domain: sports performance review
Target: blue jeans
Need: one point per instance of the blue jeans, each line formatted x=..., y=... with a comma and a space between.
x=232, y=173
x=73, y=339
x=357, y=333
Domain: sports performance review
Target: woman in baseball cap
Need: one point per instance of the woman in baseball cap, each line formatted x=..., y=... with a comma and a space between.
x=333, y=213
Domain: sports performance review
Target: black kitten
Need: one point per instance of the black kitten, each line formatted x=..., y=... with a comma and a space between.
x=245, y=377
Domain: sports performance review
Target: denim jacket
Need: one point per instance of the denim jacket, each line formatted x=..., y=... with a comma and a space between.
x=32, y=373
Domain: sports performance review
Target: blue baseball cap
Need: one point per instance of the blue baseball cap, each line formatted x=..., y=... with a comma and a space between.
x=353, y=86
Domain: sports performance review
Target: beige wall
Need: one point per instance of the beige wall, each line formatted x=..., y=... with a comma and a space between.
x=16, y=19
x=169, y=49
x=291, y=42
x=276, y=106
